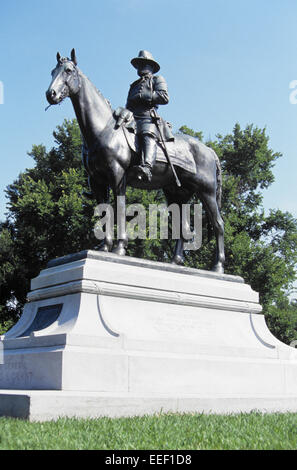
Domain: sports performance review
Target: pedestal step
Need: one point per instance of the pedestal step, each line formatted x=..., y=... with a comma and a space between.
x=51, y=405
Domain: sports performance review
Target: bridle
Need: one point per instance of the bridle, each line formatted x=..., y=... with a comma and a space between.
x=66, y=91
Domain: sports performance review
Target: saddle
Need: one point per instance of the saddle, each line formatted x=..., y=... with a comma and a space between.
x=177, y=148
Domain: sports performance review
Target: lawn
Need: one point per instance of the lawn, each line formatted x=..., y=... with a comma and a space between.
x=165, y=431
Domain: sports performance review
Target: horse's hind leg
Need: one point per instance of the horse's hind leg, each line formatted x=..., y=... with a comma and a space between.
x=211, y=206
x=179, y=257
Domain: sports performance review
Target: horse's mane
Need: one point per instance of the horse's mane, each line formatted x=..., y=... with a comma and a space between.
x=96, y=89
x=62, y=60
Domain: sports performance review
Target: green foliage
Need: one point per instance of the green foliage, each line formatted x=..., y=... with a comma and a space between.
x=282, y=320
x=149, y=248
x=253, y=431
x=48, y=217
x=9, y=282
x=188, y=131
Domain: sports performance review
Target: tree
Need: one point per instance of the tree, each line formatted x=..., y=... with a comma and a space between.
x=282, y=320
x=48, y=217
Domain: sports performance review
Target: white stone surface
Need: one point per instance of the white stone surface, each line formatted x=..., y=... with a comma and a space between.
x=50, y=405
x=136, y=334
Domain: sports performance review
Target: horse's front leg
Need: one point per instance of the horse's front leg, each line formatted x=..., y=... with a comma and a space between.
x=119, y=191
x=101, y=192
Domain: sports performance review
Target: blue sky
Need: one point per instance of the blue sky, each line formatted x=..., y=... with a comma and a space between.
x=225, y=61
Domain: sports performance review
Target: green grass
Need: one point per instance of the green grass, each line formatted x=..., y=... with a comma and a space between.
x=165, y=431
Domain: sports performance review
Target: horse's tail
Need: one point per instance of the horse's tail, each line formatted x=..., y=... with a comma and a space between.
x=219, y=181
x=218, y=193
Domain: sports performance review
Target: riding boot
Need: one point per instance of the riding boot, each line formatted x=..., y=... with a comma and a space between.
x=149, y=148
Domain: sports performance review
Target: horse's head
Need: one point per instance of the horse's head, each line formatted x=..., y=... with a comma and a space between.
x=65, y=81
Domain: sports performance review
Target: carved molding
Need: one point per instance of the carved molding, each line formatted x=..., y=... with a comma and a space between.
x=142, y=293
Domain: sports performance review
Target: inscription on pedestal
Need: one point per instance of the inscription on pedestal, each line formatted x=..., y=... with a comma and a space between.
x=15, y=374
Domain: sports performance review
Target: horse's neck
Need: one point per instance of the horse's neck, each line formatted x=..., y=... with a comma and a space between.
x=92, y=110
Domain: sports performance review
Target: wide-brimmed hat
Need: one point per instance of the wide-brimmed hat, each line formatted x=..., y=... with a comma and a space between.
x=145, y=56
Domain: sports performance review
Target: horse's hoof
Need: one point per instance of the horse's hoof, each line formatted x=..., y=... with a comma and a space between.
x=179, y=260
x=218, y=268
x=119, y=250
x=104, y=248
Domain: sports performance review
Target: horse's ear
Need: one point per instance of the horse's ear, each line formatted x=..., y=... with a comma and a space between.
x=58, y=57
x=73, y=57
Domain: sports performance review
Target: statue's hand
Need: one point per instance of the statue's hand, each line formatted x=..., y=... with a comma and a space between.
x=122, y=115
x=146, y=95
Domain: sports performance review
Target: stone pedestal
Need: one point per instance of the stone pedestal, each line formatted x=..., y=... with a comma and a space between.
x=103, y=335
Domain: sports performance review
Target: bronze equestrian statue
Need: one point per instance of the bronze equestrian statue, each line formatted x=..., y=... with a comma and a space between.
x=116, y=157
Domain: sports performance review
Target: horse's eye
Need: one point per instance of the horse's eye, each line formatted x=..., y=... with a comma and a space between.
x=68, y=70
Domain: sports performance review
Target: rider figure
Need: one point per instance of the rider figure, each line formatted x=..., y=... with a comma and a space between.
x=144, y=96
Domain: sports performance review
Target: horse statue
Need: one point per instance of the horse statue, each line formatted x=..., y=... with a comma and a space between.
x=110, y=159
